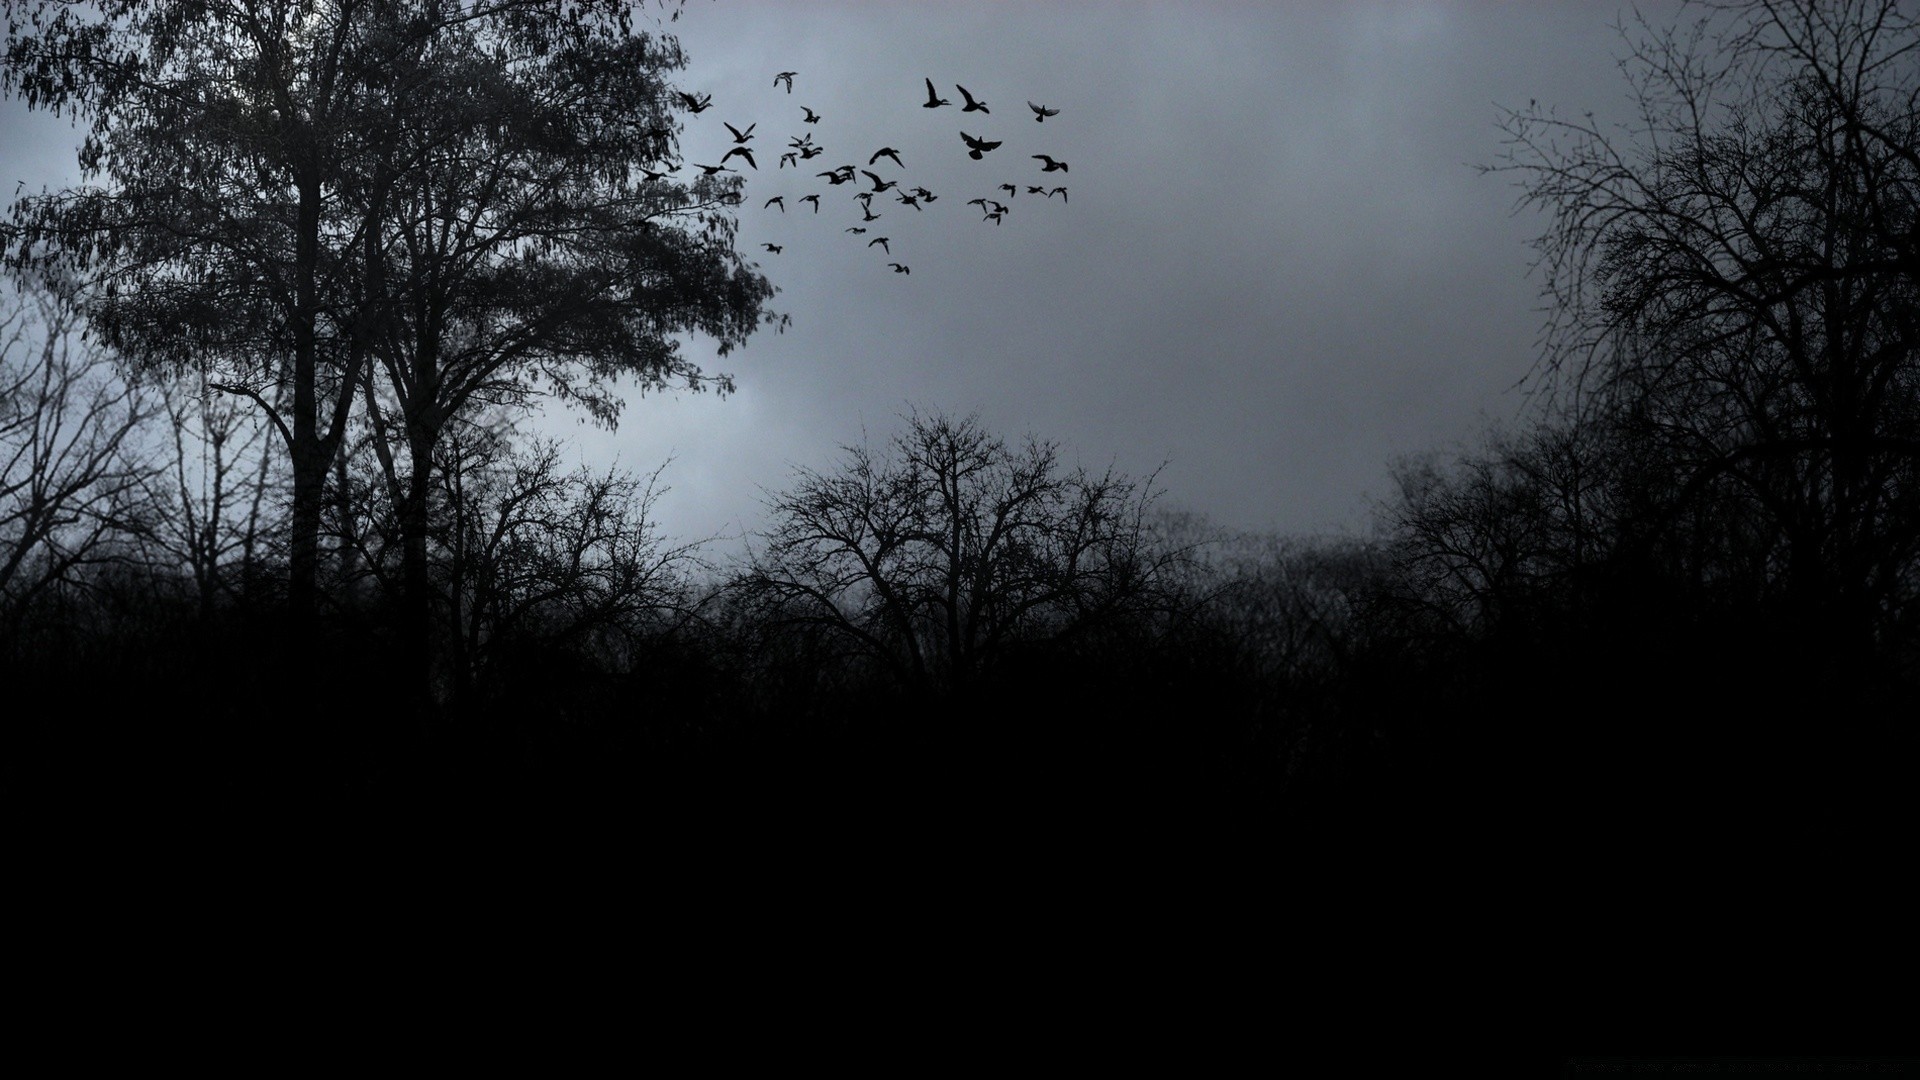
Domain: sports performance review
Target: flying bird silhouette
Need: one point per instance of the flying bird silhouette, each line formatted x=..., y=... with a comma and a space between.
x=867, y=213
x=738, y=135
x=898, y=269
x=1041, y=112
x=789, y=158
x=711, y=169
x=933, y=101
x=777, y=200
x=882, y=241
x=695, y=105
x=855, y=229
x=812, y=117
x=1050, y=164
x=814, y=199
x=1060, y=191
x=910, y=200
x=653, y=175
x=972, y=105
x=880, y=185
x=741, y=151
x=1010, y=189
x=835, y=177
x=1036, y=189
x=977, y=147
x=785, y=77
x=887, y=152
x=775, y=248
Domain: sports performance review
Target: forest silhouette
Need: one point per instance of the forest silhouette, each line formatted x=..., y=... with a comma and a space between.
x=276, y=540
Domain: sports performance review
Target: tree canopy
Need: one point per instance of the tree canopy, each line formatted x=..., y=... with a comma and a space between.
x=286, y=195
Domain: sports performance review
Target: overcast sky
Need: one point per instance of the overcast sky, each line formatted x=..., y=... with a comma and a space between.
x=1275, y=268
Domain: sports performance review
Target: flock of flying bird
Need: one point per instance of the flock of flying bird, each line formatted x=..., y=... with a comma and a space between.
x=802, y=148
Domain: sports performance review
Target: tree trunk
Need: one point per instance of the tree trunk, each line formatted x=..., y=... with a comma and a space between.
x=416, y=574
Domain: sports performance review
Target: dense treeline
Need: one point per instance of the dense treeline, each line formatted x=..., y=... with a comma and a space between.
x=1673, y=610
x=1529, y=642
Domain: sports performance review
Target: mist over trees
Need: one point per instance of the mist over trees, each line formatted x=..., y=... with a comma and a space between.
x=272, y=531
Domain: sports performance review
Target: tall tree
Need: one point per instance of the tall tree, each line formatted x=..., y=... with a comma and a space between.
x=210, y=217
x=73, y=471
x=529, y=243
x=1739, y=271
x=940, y=555
x=289, y=191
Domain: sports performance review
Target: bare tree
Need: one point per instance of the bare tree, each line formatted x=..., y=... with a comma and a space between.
x=294, y=191
x=938, y=555
x=1483, y=536
x=73, y=475
x=537, y=557
x=1740, y=269
x=224, y=499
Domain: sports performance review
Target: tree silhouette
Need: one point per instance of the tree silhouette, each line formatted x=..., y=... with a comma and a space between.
x=1735, y=276
x=938, y=556
x=219, y=509
x=539, y=561
x=285, y=194
x=525, y=250
x=73, y=473
x=213, y=225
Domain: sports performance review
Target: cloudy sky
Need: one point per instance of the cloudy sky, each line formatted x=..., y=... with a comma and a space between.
x=1275, y=269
